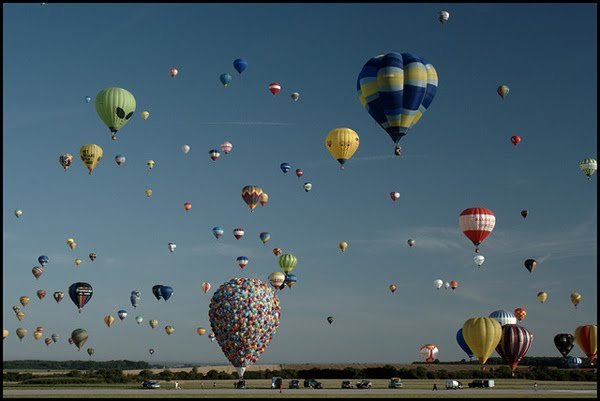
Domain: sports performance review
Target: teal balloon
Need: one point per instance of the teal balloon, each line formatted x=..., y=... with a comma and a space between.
x=225, y=79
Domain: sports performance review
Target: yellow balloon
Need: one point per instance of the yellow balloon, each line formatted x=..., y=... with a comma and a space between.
x=575, y=298
x=148, y=192
x=90, y=155
x=153, y=323
x=37, y=335
x=342, y=143
x=201, y=331
x=482, y=335
x=169, y=329
x=264, y=198
x=21, y=332
x=542, y=296
x=24, y=300
x=343, y=246
x=109, y=320
x=150, y=164
x=20, y=315
x=77, y=262
x=5, y=333
x=145, y=115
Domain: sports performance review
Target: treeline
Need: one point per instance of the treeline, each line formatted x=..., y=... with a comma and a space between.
x=79, y=365
x=385, y=372
x=550, y=361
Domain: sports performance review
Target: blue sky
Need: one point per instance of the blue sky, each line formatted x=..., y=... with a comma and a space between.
x=457, y=156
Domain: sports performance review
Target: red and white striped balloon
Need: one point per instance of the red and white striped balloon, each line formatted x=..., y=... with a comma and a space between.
x=205, y=287
x=275, y=88
x=429, y=352
x=477, y=224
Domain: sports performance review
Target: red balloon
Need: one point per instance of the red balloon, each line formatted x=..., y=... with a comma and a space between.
x=453, y=284
x=515, y=139
x=299, y=173
x=477, y=223
x=41, y=294
x=187, y=206
x=275, y=88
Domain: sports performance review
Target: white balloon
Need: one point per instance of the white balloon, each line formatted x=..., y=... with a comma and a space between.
x=185, y=149
x=479, y=259
x=438, y=283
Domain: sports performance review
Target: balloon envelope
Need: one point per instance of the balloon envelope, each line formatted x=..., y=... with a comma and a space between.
x=564, y=343
x=166, y=292
x=115, y=106
x=90, y=155
x=79, y=337
x=342, y=143
x=504, y=317
x=477, y=224
x=514, y=344
x=240, y=65
x=80, y=293
x=482, y=335
x=463, y=344
x=586, y=338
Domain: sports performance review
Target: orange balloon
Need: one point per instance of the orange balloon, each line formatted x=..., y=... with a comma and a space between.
x=520, y=313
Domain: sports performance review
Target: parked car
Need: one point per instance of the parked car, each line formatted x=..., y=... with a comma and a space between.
x=240, y=384
x=395, y=382
x=364, y=384
x=453, y=385
x=150, y=384
x=347, y=384
x=294, y=383
x=482, y=383
x=276, y=382
x=312, y=383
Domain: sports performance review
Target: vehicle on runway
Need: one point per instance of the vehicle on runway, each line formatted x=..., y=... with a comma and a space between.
x=395, y=382
x=453, y=385
x=481, y=383
x=294, y=383
x=347, y=384
x=150, y=384
x=276, y=382
x=240, y=384
x=312, y=383
x=364, y=384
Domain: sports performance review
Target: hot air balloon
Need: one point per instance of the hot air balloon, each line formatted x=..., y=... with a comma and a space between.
x=274, y=88
x=55, y=337
x=574, y=362
x=530, y=264
x=396, y=89
x=90, y=351
x=411, y=242
x=16, y=309
x=79, y=337
x=242, y=261
x=166, y=292
x=21, y=332
x=277, y=279
x=173, y=72
x=524, y=213
x=24, y=300
x=395, y=196
x=5, y=333
x=295, y=96
x=77, y=262
x=226, y=147
x=150, y=164
x=122, y=314
x=148, y=192
x=151, y=351
x=37, y=335
x=290, y=280
x=218, y=232
x=187, y=206
x=90, y=155
x=214, y=154
x=58, y=296
x=37, y=271
x=463, y=344
x=504, y=317
x=575, y=298
x=520, y=313
x=70, y=340
x=264, y=198
x=564, y=343
x=393, y=288
x=247, y=300
x=139, y=319
x=169, y=329
x=92, y=256
x=343, y=245
x=482, y=334
x=285, y=167
x=330, y=319
x=80, y=294
x=40, y=294
x=87, y=98
x=238, y=233
x=200, y=331
x=307, y=186
x=478, y=259
x=145, y=115
x=109, y=320
x=71, y=243
x=453, y=284
x=240, y=65
x=438, y=283
x=43, y=260
x=287, y=262
x=205, y=287
x=153, y=323
x=40, y=329
x=264, y=237
x=135, y=298
x=212, y=337
x=477, y=224
x=156, y=291
x=588, y=166
x=20, y=315
x=172, y=246
x=514, y=344
x=225, y=79
x=586, y=338
x=251, y=195
x=65, y=160
x=542, y=296
x=277, y=251
x=18, y=213
x=299, y=173
x=342, y=143
x=48, y=341
x=515, y=139
x=503, y=91
x=185, y=149
x=446, y=285
x=115, y=106
x=443, y=16
x=120, y=160
x=429, y=352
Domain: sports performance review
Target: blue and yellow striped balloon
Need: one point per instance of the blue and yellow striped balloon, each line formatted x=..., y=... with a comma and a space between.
x=396, y=89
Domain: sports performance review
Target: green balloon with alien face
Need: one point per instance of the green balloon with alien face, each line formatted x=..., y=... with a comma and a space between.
x=115, y=106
